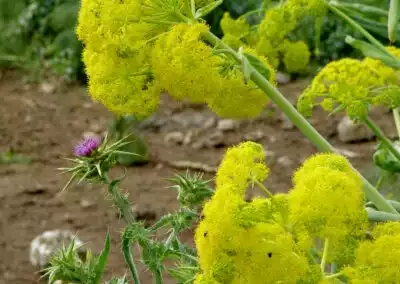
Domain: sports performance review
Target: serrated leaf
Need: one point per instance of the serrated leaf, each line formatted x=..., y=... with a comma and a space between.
x=102, y=260
x=204, y=11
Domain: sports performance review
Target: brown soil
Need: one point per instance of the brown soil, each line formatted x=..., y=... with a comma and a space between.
x=45, y=125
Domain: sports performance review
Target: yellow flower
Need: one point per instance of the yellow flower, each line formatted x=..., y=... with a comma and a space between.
x=119, y=83
x=327, y=201
x=245, y=242
x=296, y=56
x=184, y=66
x=353, y=85
x=377, y=261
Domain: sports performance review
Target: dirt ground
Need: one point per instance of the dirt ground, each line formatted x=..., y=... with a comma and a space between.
x=43, y=122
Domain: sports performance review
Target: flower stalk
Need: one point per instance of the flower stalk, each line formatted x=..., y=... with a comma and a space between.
x=378, y=132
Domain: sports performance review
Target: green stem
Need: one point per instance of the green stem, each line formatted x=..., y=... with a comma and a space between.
x=379, y=183
x=332, y=276
x=325, y=255
x=395, y=204
x=158, y=277
x=261, y=185
x=126, y=251
x=378, y=216
x=333, y=7
x=396, y=115
x=297, y=119
x=378, y=132
x=124, y=206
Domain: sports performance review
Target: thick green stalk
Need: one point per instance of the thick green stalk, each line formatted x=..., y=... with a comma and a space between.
x=396, y=115
x=378, y=132
x=302, y=124
x=378, y=216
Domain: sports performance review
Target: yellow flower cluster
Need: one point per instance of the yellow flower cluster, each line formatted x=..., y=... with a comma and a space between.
x=135, y=49
x=377, y=261
x=267, y=240
x=353, y=85
x=278, y=23
x=327, y=201
x=186, y=67
x=243, y=242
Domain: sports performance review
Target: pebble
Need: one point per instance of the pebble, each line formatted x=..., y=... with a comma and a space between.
x=47, y=88
x=175, y=137
x=282, y=78
x=350, y=131
x=285, y=161
x=227, y=125
x=254, y=136
x=86, y=203
x=48, y=243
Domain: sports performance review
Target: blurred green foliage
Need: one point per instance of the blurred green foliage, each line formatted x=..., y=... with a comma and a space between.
x=39, y=35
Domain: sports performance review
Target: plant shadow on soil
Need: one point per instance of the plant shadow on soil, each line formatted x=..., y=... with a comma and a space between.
x=44, y=125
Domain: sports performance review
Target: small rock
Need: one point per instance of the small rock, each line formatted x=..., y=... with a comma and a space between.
x=254, y=136
x=282, y=78
x=96, y=128
x=188, y=138
x=215, y=139
x=286, y=123
x=189, y=118
x=348, y=153
x=88, y=134
x=285, y=161
x=175, y=137
x=48, y=243
x=209, y=123
x=350, y=131
x=86, y=203
x=227, y=125
x=47, y=88
x=88, y=105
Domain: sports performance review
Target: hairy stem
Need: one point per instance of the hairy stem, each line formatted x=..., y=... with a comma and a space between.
x=302, y=124
x=126, y=251
x=124, y=206
x=379, y=133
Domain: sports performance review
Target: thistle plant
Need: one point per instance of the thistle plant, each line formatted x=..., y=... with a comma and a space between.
x=324, y=229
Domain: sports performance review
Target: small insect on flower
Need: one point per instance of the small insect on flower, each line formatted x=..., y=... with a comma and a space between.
x=87, y=146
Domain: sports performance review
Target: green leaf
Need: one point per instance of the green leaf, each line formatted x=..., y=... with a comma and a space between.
x=258, y=65
x=384, y=159
x=393, y=19
x=207, y=9
x=371, y=51
x=102, y=260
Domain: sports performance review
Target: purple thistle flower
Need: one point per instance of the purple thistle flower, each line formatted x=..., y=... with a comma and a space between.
x=86, y=147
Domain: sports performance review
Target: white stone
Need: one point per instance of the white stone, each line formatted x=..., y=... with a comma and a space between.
x=227, y=125
x=48, y=243
x=350, y=131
